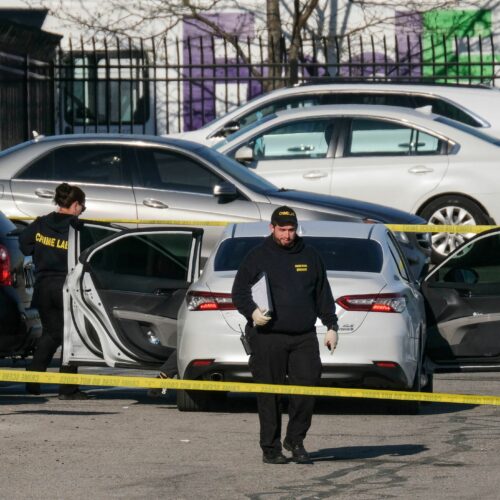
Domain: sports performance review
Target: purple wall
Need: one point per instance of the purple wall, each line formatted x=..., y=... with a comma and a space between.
x=199, y=82
x=408, y=28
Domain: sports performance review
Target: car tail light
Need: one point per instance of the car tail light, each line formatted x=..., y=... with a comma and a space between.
x=203, y=362
x=208, y=301
x=383, y=302
x=386, y=364
x=5, y=274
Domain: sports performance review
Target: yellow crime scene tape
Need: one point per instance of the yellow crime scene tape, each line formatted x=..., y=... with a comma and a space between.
x=407, y=228
x=202, y=385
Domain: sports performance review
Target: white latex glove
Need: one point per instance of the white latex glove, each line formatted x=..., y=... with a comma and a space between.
x=259, y=318
x=331, y=340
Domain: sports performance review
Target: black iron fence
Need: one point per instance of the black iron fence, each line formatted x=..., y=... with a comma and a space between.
x=27, y=83
x=160, y=86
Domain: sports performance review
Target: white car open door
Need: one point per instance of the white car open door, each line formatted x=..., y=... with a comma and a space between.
x=122, y=294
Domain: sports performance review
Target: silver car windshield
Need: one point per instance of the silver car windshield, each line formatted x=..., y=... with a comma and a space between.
x=236, y=171
x=244, y=130
x=339, y=254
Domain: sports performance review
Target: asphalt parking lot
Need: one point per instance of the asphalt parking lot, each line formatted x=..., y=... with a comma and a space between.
x=122, y=444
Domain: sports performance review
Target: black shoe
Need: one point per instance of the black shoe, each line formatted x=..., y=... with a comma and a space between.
x=33, y=388
x=74, y=396
x=299, y=453
x=274, y=458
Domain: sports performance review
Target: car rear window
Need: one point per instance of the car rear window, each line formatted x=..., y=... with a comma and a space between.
x=339, y=254
x=470, y=130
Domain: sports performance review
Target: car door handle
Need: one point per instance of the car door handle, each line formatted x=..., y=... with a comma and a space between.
x=314, y=174
x=151, y=202
x=411, y=144
x=44, y=193
x=420, y=169
x=302, y=147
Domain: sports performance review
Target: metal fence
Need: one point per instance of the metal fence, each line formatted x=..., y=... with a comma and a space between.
x=161, y=86
x=26, y=82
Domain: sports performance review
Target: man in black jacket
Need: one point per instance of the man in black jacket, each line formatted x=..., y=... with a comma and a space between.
x=284, y=343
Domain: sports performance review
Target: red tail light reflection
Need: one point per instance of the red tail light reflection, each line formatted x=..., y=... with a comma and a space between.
x=5, y=274
x=208, y=301
x=383, y=302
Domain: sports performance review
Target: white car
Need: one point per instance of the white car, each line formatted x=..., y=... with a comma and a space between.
x=380, y=310
x=473, y=105
x=124, y=289
x=414, y=160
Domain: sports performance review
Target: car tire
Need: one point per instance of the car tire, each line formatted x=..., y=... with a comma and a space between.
x=401, y=407
x=199, y=400
x=408, y=407
x=451, y=210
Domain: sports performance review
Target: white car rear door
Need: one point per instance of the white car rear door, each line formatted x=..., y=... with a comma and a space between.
x=388, y=163
x=122, y=296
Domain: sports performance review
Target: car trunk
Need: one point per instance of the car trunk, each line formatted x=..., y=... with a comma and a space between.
x=342, y=283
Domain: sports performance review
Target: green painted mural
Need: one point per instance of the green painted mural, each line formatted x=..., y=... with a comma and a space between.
x=458, y=44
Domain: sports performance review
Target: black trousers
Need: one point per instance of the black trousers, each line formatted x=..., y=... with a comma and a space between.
x=48, y=298
x=276, y=356
x=169, y=368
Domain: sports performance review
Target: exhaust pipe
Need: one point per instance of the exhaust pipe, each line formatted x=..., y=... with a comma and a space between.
x=216, y=377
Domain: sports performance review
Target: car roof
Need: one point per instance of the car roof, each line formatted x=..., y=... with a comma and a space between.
x=401, y=87
x=377, y=110
x=420, y=117
x=310, y=228
x=108, y=137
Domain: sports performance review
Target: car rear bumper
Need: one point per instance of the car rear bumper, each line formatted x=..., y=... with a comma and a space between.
x=368, y=376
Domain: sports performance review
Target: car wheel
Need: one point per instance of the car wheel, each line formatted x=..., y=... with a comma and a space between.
x=451, y=210
x=408, y=407
x=199, y=400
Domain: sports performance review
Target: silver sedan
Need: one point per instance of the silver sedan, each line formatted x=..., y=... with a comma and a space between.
x=130, y=178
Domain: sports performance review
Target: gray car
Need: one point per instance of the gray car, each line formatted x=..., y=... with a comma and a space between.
x=129, y=178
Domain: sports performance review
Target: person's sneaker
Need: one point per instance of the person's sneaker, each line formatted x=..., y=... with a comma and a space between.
x=156, y=392
x=74, y=396
x=275, y=457
x=299, y=453
x=33, y=388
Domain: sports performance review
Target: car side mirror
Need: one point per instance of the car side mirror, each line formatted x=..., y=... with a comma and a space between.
x=244, y=155
x=229, y=128
x=225, y=190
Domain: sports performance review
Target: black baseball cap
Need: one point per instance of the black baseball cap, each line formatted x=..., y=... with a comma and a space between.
x=284, y=216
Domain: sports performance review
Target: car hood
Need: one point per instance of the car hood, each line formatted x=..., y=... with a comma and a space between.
x=363, y=209
x=342, y=283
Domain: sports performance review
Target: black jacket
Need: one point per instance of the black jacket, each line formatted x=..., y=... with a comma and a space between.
x=300, y=291
x=46, y=239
